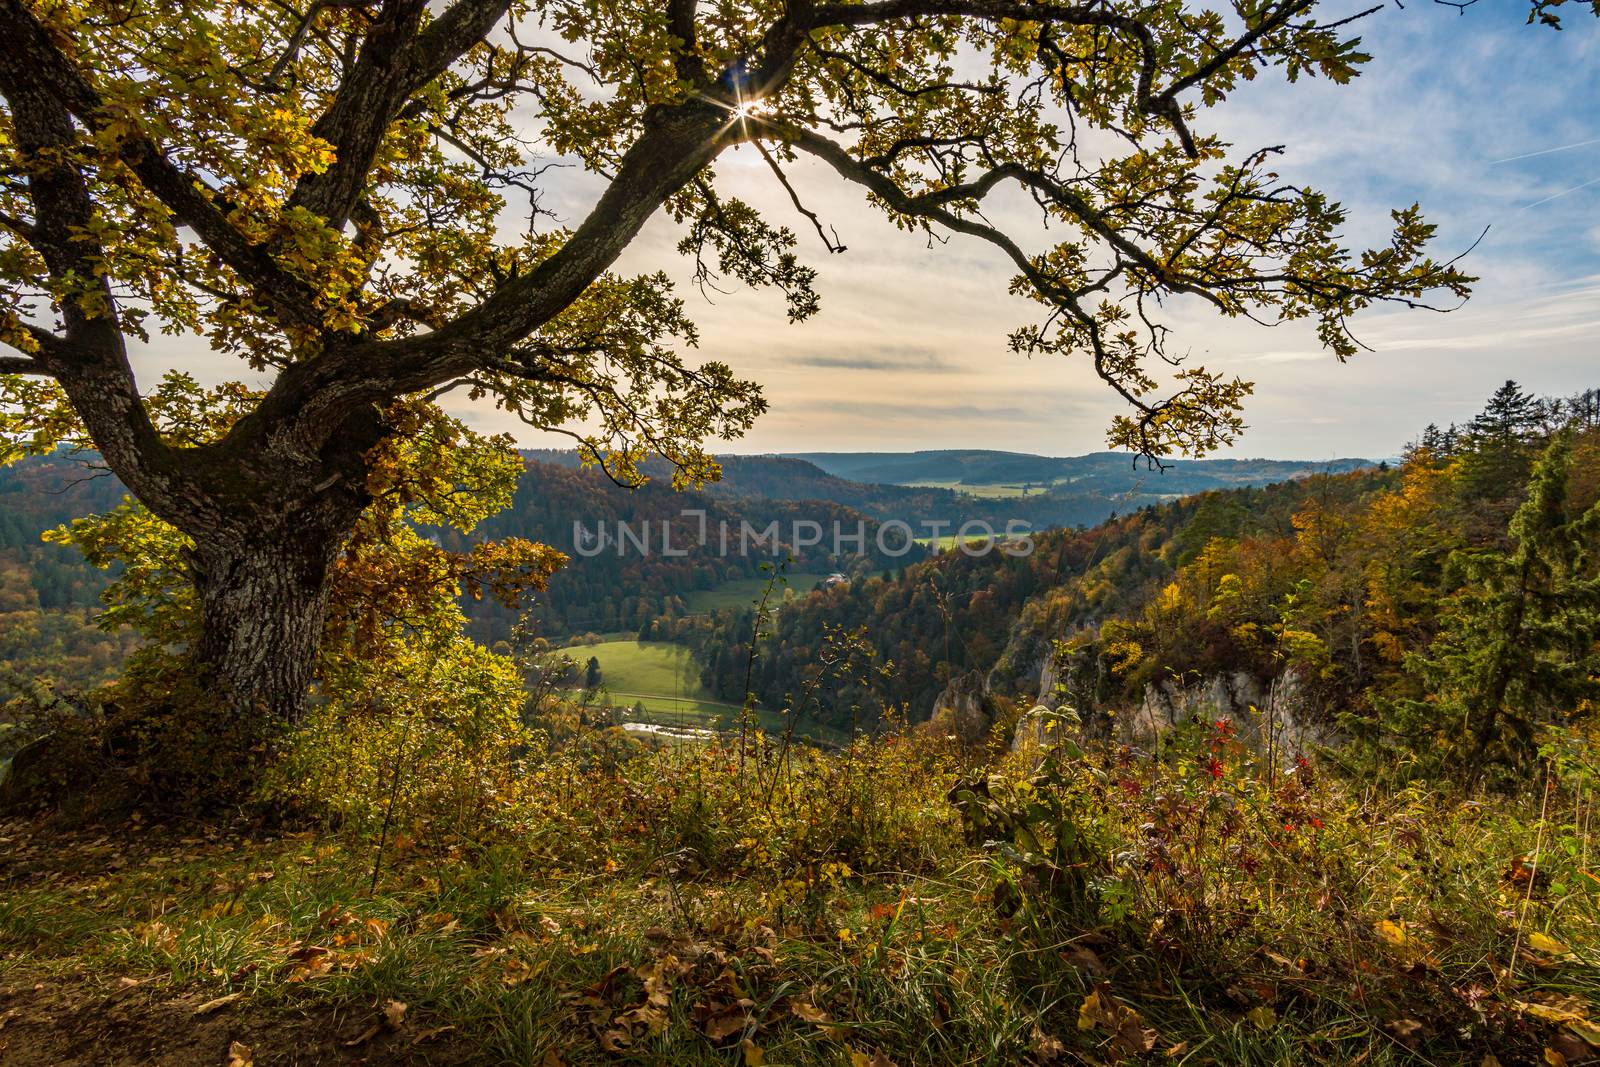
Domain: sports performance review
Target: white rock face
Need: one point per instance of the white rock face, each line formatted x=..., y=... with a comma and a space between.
x=1276, y=717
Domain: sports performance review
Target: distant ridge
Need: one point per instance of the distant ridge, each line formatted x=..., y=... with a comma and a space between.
x=1102, y=472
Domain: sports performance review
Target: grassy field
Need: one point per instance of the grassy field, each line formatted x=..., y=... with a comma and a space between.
x=746, y=592
x=663, y=678
x=653, y=668
x=996, y=491
x=949, y=541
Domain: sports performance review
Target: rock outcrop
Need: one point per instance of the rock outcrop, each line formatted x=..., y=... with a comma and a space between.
x=1277, y=716
x=964, y=710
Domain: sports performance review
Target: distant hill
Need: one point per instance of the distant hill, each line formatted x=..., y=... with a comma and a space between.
x=1110, y=473
x=975, y=485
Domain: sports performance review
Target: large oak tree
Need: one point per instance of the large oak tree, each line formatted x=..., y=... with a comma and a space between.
x=324, y=188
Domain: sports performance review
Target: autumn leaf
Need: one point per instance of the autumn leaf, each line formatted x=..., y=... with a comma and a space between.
x=807, y=1011
x=1392, y=932
x=239, y=1055
x=1045, y=1049
x=1263, y=1017
x=217, y=1004
x=1103, y=1012
x=1548, y=945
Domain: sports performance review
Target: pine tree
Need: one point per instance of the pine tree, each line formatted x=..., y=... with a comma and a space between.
x=1518, y=641
x=1496, y=450
x=1507, y=419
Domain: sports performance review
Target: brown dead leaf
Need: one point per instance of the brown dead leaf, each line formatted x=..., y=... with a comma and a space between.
x=217, y=1004
x=652, y=1018
x=239, y=1055
x=1571, y=1048
x=1085, y=959
x=362, y=1038
x=720, y=1020
x=1045, y=1049
x=429, y=1035
x=657, y=978
x=1128, y=1036
x=878, y=1059
x=394, y=1014
x=806, y=1011
x=1406, y=1031
x=314, y=967
x=723, y=1025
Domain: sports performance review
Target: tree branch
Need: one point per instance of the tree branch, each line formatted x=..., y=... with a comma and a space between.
x=31, y=63
x=23, y=365
x=310, y=399
x=395, y=61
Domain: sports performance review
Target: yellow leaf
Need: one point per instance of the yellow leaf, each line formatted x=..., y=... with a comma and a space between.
x=1547, y=944
x=1089, y=1012
x=1586, y=1030
x=753, y=1054
x=1392, y=932
x=1263, y=1016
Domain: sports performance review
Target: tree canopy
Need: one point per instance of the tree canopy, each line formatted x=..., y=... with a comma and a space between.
x=325, y=191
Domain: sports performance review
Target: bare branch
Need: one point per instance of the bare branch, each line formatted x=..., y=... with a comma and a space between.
x=831, y=243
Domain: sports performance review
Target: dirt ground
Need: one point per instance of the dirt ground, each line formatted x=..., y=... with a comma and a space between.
x=84, y=1024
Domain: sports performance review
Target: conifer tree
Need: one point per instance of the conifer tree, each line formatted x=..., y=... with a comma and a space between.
x=1518, y=643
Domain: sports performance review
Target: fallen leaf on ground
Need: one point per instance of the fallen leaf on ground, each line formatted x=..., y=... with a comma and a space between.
x=214, y=1005
x=1406, y=1031
x=1046, y=1049
x=1128, y=1034
x=807, y=1011
x=362, y=1038
x=1392, y=932
x=429, y=1035
x=1263, y=1016
x=1547, y=944
x=394, y=1013
x=239, y=1055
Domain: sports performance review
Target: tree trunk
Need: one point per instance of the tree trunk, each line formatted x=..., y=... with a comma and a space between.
x=263, y=603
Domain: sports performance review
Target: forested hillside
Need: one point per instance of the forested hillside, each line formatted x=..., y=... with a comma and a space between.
x=1387, y=594
x=49, y=596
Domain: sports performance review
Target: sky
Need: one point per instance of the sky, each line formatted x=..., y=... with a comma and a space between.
x=1485, y=121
